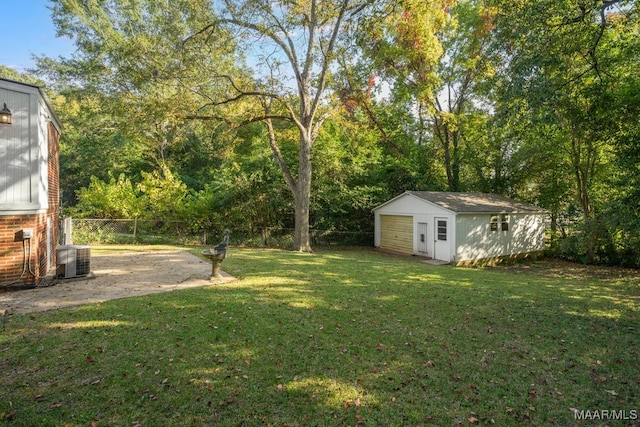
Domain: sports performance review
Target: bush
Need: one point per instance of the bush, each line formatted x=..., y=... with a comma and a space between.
x=600, y=241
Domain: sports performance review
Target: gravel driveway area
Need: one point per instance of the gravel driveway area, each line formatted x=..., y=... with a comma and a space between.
x=114, y=276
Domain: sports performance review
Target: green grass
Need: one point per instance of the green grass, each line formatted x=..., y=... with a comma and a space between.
x=330, y=339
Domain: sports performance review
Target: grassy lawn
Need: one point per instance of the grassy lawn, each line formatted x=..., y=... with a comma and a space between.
x=330, y=339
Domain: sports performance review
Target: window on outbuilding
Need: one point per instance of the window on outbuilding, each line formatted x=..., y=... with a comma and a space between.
x=505, y=222
x=494, y=222
x=442, y=230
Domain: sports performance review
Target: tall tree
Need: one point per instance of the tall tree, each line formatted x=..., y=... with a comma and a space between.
x=464, y=66
x=561, y=60
x=293, y=47
x=302, y=35
x=131, y=57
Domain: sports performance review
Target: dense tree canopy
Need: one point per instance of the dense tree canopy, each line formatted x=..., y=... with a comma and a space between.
x=307, y=114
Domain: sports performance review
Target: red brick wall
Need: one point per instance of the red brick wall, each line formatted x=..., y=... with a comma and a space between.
x=54, y=200
x=13, y=248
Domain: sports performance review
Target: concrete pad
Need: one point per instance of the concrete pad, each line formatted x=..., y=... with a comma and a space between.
x=114, y=276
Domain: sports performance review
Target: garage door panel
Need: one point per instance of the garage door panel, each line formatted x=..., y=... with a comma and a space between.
x=396, y=233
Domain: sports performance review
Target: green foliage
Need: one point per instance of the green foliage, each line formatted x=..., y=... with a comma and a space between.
x=603, y=239
x=11, y=74
x=400, y=40
x=117, y=198
x=160, y=195
x=164, y=195
x=132, y=84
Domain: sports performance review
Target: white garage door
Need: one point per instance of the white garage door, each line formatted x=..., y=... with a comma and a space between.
x=396, y=233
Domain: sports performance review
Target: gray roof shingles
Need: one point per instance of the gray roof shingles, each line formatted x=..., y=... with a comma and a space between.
x=476, y=202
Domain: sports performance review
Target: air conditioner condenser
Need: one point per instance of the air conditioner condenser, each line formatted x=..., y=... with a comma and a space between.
x=73, y=261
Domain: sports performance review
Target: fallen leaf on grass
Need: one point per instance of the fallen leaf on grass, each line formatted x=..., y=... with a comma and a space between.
x=8, y=416
x=428, y=364
x=357, y=401
x=279, y=387
x=473, y=420
x=379, y=346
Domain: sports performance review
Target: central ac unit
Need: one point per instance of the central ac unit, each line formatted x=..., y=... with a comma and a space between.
x=74, y=260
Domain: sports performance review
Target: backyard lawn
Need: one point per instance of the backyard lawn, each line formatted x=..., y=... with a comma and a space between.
x=340, y=337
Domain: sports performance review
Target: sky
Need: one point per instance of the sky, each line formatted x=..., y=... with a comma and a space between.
x=26, y=29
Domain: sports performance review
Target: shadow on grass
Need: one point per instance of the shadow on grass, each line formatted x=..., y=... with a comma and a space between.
x=334, y=338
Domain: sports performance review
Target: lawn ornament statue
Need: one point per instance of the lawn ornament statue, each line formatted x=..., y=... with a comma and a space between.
x=217, y=254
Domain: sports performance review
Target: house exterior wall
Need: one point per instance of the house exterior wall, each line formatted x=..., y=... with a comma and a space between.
x=29, y=185
x=16, y=154
x=477, y=241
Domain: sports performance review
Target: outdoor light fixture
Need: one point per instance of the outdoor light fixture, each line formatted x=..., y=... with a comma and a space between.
x=5, y=115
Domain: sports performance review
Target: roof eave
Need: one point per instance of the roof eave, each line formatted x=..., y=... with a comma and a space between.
x=543, y=212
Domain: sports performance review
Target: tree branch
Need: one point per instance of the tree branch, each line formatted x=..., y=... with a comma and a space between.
x=291, y=183
x=322, y=80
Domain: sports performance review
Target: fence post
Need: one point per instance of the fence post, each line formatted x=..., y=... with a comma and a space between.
x=135, y=227
x=67, y=231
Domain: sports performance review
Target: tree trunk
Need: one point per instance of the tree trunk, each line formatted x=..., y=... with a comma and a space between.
x=302, y=241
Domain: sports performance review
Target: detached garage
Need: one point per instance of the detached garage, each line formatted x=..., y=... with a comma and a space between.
x=459, y=227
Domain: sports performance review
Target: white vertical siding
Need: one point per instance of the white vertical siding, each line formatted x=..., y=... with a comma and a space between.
x=477, y=241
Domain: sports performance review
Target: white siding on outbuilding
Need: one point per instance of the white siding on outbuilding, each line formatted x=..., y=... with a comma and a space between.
x=457, y=227
x=419, y=223
x=476, y=239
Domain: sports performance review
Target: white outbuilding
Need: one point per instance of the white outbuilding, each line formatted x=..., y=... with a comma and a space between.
x=461, y=228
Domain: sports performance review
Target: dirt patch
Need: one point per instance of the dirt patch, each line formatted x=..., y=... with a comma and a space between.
x=115, y=276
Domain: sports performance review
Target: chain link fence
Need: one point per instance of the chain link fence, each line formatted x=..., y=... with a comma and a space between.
x=144, y=231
